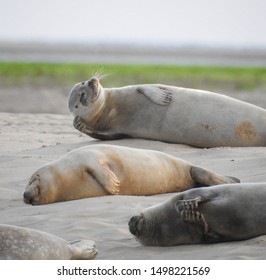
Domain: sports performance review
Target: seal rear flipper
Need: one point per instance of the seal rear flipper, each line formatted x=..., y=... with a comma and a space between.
x=157, y=94
x=204, y=177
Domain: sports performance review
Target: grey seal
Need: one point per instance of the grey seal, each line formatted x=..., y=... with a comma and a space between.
x=166, y=113
x=99, y=170
x=204, y=215
x=19, y=243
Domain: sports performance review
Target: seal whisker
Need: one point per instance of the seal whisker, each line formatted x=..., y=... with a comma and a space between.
x=99, y=74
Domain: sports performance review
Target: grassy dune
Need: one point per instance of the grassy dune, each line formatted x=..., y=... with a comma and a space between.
x=232, y=78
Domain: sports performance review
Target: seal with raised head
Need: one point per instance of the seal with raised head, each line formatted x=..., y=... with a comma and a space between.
x=166, y=113
x=19, y=243
x=100, y=170
x=204, y=215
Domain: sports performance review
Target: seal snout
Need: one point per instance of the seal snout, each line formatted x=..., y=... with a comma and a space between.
x=27, y=197
x=30, y=196
x=93, y=81
x=32, y=191
x=135, y=225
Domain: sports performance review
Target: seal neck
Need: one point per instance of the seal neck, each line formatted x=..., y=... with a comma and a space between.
x=98, y=107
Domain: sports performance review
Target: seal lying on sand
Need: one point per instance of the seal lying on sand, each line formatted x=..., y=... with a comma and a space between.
x=105, y=169
x=166, y=113
x=204, y=215
x=17, y=243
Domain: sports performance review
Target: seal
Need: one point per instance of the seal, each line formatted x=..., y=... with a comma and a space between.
x=99, y=170
x=19, y=243
x=166, y=113
x=204, y=215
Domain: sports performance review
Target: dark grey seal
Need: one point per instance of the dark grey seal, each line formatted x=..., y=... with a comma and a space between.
x=204, y=215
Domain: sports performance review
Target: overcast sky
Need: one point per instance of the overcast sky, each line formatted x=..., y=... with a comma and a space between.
x=237, y=23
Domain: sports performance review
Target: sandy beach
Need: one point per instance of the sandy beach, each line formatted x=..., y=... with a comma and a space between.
x=29, y=140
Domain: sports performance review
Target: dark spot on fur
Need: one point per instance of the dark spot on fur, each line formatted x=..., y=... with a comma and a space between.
x=245, y=131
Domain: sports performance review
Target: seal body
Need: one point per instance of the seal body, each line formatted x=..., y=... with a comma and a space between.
x=204, y=215
x=166, y=113
x=99, y=170
x=18, y=243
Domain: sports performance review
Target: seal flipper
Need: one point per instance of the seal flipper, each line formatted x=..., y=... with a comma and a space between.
x=204, y=177
x=81, y=126
x=105, y=177
x=189, y=213
x=158, y=94
x=83, y=249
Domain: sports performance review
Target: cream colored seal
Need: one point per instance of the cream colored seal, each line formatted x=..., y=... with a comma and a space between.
x=18, y=243
x=166, y=113
x=100, y=170
x=204, y=215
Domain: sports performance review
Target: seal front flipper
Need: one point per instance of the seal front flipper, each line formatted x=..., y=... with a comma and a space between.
x=188, y=211
x=81, y=126
x=83, y=249
x=204, y=177
x=106, y=178
x=158, y=94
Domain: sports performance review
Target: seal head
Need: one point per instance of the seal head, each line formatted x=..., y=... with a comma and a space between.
x=83, y=96
x=160, y=226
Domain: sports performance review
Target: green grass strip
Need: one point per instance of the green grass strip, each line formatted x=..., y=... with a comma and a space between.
x=236, y=78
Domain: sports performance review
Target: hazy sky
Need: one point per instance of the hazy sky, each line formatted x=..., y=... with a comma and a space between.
x=240, y=23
